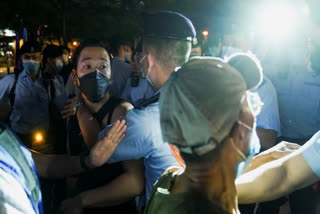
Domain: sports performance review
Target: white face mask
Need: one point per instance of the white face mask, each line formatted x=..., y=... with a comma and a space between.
x=146, y=75
x=253, y=149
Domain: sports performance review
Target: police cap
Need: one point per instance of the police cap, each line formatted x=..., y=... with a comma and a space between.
x=170, y=25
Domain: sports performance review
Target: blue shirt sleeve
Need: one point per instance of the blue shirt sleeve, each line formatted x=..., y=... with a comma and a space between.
x=5, y=86
x=137, y=143
x=311, y=153
x=269, y=115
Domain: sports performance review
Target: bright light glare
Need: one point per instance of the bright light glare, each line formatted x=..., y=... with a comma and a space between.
x=277, y=21
x=205, y=33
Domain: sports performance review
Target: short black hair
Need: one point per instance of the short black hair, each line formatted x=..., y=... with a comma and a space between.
x=50, y=51
x=116, y=42
x=83, y=45
x=64, y=47
x=170, y=53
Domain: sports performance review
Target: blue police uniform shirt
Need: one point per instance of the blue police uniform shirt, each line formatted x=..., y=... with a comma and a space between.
x=31, y=105
x=120, y=73
x=144, y=140
x=139, y=93
x=9, y=165
x=311, y=153
x=269, y=115
x=299, y=101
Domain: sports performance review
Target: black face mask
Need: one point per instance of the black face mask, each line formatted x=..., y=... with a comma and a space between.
x=94, y=85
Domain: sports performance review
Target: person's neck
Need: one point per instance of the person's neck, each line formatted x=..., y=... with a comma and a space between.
x=34, y=76
x=95, y=107
x=214, y=181
x=163, y=77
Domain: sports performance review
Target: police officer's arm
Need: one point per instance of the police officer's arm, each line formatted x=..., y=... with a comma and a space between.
x=58, y=166
x=280, y=177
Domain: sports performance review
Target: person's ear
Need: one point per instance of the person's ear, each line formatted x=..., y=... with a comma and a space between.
x=239, y=134
x=150, y=61
x=75, y=78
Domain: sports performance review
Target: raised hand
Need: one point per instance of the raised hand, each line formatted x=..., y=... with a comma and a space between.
x=101, y=151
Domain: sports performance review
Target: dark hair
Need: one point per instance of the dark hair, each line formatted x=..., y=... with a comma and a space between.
x=50, y=51
x=83, y=45
x=116, y=43
x=64, y=47
x=170, y=53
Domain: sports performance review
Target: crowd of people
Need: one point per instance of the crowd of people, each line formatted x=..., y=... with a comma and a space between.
x=160, y=128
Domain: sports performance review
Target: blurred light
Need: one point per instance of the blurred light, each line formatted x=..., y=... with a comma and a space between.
x=306, y=10
x=38, y=137
x=277, y=21
x=8, y=32
x=75, y=43
x=205, y=33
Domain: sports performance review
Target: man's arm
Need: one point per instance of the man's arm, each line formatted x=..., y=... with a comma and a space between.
x=280, y=150
x=120, y=190
x=280, y=177
x=275, y=179
x=58, y=166
x=89, y=126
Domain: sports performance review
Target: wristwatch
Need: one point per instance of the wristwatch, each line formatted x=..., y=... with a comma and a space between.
x=76, y=107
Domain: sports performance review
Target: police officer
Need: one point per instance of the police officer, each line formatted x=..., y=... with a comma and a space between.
x=28, y=97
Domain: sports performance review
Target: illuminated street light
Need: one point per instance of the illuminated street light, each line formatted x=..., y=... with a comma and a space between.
x=75, y=43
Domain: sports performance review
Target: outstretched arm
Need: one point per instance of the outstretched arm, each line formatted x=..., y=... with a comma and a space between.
x=123, y=188
x=275, y=179
x=58, y=166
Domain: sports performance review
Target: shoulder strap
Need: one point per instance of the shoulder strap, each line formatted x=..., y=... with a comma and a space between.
x=108, y=107
x=12, y=93
x=149, y=101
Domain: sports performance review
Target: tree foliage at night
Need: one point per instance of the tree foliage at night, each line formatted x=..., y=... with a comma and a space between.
x=67, y=19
